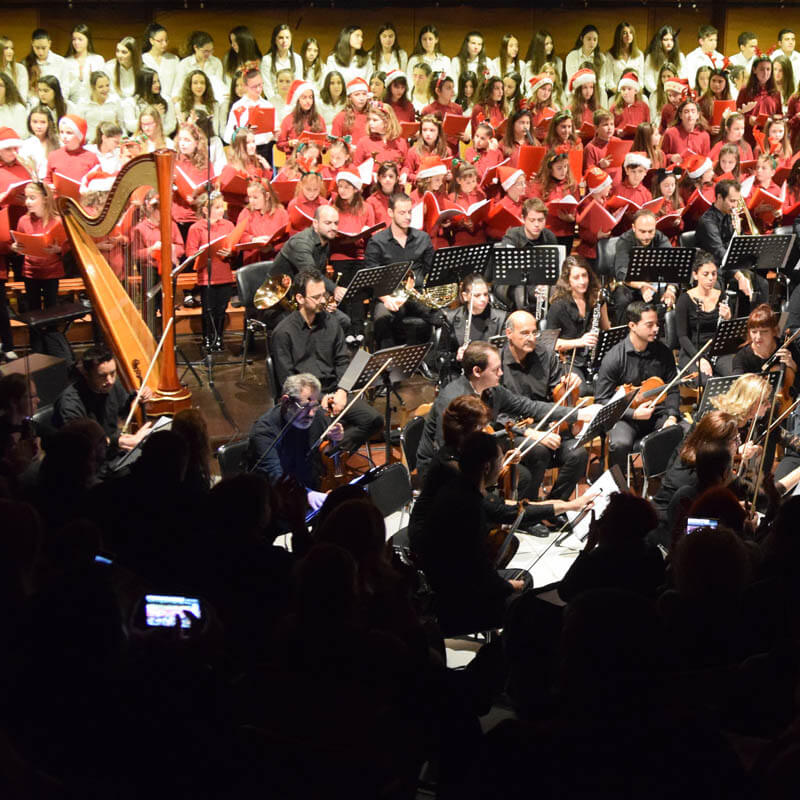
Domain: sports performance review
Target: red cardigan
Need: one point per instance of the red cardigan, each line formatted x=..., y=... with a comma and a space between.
x=288, y=131
x=196, y=238
x=374, y=147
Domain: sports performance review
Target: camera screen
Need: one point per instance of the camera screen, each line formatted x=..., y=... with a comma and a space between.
x=693, y=523
x=160, y=610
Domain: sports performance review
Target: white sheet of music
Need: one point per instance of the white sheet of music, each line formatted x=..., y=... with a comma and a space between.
x=608, y=485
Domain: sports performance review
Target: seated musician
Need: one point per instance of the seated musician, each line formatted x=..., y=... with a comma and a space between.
x=763, y=342
x=578, y=309
x=300, y=404
x=310, y=249
x=482, y=367
x=466, y=415
x=697, y=315
x=714, y=232
x=471, y=594
x=643, y=234
x=534, y=372
x=97, y=394
x=398, y=321
x=637, y=357
x=486, y=320
x=532, y=233
x=310, y=340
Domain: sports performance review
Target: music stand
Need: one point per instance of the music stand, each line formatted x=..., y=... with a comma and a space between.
x=605, y=419
x=380, y=281
x=533, y=266
x=765, y=252
x=662, y=265
x=453, y=264
x=405, y=360
x=606, y=340
x=717, y=386
x=730, y=334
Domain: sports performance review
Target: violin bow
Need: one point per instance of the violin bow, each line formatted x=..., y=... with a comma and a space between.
x=538, y=425
x=786, y=342
x=751, y=430
x=532, y=442
x=778, y=421
x=760, y=471
x=347, y=407
x=688, y=364
x=136, y=400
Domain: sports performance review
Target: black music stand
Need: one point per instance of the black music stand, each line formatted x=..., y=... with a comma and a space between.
x=606, y=418
x=766, y=252
x=60, y=314
x=533, y=266
x=606, y=340
x=405, y=360
x=730, y=334
x=379, y=281
x=717, y=386
x=662, y=265
x=453, y=264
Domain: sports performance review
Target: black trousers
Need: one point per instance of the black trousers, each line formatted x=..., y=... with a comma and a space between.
x=624, y=436
x=40, y=294
x=215, y=302
x=571, y=462
x=360, y=423
x=410, y=324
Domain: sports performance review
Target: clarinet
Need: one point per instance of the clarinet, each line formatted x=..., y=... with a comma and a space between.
x=590, y=352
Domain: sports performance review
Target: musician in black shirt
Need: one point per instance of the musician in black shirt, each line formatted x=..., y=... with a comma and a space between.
x=399, y=321
x=578, y=309
x=310, y=340
x=534, y=372
x=638, y=356
x=486, y=320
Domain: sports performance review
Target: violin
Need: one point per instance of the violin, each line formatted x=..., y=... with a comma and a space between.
x=772, y=363
x=653, y=389
x=335, y=469
x=509, y=473
x=571, y=398
x=501, y=544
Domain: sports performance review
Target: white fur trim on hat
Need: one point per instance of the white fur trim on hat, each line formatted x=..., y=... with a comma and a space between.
x=701, y=170
x=512, y=179
x=635, y=159
x=351, y=177
x=78, y=125
x=601, y=186
x=431, y=172
x=357, y=85
x=629, y=79
x=297, y=88
x=537, y=81
x=582, y=77
x=395, y=75
x=9, y=138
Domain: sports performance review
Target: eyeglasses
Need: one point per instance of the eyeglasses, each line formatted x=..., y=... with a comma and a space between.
x=307, y=408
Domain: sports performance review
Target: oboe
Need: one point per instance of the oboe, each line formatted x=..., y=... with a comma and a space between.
x=591, y=352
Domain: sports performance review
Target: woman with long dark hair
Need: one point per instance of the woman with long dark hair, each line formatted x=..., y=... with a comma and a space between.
x=280, y=56
x=243, y=49
x=349, y=56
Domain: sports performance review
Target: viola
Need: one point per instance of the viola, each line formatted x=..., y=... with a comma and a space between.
x=653, y=389
x=501, y=543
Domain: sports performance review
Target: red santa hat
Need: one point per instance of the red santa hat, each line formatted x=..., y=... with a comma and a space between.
x=357, y=85
x=583, y=77
x=597, y=180
x=431, y=166
x=9, y=138
x=696, y=165
x=295, y=90
x=537, y=81
x=634, y=158
x=678, y=85
x=351, y=176
x=509, y=176
x=78, y=124
x=395, y=75
x=629, y=79
x=97, y=180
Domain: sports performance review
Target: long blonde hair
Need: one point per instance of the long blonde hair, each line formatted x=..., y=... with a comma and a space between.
x=743, y=397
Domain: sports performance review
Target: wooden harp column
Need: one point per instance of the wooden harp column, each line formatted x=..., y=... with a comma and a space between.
x=125, y=330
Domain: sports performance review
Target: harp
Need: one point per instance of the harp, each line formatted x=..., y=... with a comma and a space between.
x=129, y=337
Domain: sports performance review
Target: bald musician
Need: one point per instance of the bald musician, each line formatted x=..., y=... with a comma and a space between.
x=533, y=372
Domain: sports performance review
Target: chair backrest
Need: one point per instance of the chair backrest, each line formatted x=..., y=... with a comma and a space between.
x=688, y=239
x=409, y=441
x=391, y=490
x=657, y=448
x=249, y=278
x=269, y=366
x=232, y=458
x=606, y=250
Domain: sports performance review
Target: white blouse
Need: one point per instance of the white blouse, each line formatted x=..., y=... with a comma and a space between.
x=167, y=69
x=617, y=67
x=393, y=62
x=328, y=112
x=127, y=78
x=33, y=150
x=76, y=83
x=437, y=63
x=350, y=72
x=131, y=108
x=15, y=117
x=19, y=75
x=295, y=64
x=212, y=70
x=94, y=113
